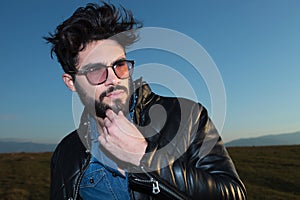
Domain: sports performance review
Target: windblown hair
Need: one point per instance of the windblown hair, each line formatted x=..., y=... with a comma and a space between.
x=91, y=23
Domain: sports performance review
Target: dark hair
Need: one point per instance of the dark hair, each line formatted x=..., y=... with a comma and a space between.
x=87, y=24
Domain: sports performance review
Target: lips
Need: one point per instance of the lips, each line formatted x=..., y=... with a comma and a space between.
x=114, y=94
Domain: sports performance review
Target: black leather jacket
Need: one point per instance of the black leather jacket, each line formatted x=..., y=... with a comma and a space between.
x=185, y=157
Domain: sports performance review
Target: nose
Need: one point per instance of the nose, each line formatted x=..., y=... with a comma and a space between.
x=112, y=79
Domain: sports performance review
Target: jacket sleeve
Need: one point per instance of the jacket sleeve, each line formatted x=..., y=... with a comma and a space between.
x=195, y=165
x=67, y=164
x=55, y=181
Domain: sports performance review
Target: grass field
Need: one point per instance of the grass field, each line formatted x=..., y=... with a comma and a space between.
x=269, y=173
x=24, y=176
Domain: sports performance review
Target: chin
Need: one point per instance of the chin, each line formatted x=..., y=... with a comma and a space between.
x=118, y=105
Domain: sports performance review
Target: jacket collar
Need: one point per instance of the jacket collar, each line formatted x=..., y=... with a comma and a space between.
x=143, y=95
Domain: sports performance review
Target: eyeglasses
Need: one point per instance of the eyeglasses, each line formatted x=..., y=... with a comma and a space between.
x=97, y=74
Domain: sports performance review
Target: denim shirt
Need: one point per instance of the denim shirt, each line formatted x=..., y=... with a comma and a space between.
x=102, y=179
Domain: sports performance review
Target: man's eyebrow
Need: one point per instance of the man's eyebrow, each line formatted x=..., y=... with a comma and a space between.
x=119, y=59
x=93, y=65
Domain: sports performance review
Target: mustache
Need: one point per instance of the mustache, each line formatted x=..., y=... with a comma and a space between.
x=111, y=89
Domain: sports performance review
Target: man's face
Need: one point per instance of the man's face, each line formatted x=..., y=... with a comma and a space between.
x=114, y=92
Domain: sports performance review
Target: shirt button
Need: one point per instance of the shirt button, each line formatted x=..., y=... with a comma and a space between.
x=114, y=174
x=91, y=180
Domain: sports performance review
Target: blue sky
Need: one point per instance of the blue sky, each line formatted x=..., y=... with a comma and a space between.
x=255, y=45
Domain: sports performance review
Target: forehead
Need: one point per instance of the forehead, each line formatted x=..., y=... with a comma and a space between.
x=101, y=51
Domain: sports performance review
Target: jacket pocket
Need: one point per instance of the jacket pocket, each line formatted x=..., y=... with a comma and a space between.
x=91, y=179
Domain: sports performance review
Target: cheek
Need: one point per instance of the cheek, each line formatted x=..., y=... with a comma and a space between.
x=129, y=93
x=85, y=88
x=125, y=83
x=98, y=91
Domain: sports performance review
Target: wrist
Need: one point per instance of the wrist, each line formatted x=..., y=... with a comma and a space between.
x=137, y=159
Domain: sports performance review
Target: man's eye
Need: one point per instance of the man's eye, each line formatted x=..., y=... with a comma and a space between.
x=120, y=63
x=91, y=70
x=96, y=69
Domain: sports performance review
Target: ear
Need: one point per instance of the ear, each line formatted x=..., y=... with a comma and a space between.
x=67, y=78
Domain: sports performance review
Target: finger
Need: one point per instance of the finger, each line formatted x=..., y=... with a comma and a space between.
x=122, y=116
x=104, y=137
x=102, y=140
x=120, y=113
x=111, y=115
x=107, y=122
x=105, y=131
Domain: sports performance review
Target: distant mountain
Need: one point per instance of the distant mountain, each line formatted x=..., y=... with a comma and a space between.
x=12, y=146
x=9, y=146
x=268, y=140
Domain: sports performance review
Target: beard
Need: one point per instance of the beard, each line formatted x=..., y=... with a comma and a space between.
x=116, y=105
x=98, y=108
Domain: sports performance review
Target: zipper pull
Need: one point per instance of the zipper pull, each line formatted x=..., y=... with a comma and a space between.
x=155, y=189
x=155, y=186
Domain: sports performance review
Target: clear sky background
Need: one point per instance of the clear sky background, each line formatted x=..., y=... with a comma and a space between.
x=255, y=45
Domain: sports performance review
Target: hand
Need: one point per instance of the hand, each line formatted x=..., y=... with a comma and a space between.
x=122, y=139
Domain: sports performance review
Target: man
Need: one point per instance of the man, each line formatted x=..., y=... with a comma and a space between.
x=131, y=143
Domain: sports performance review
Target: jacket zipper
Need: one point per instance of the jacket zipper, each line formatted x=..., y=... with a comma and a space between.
x=80, y=177
x=156, y=185
x=88, y=160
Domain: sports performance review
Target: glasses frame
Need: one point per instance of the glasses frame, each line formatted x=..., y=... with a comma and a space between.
x=113, y=66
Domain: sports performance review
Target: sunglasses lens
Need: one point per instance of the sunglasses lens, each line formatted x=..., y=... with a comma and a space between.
x=97, y=76
x=123, y=69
